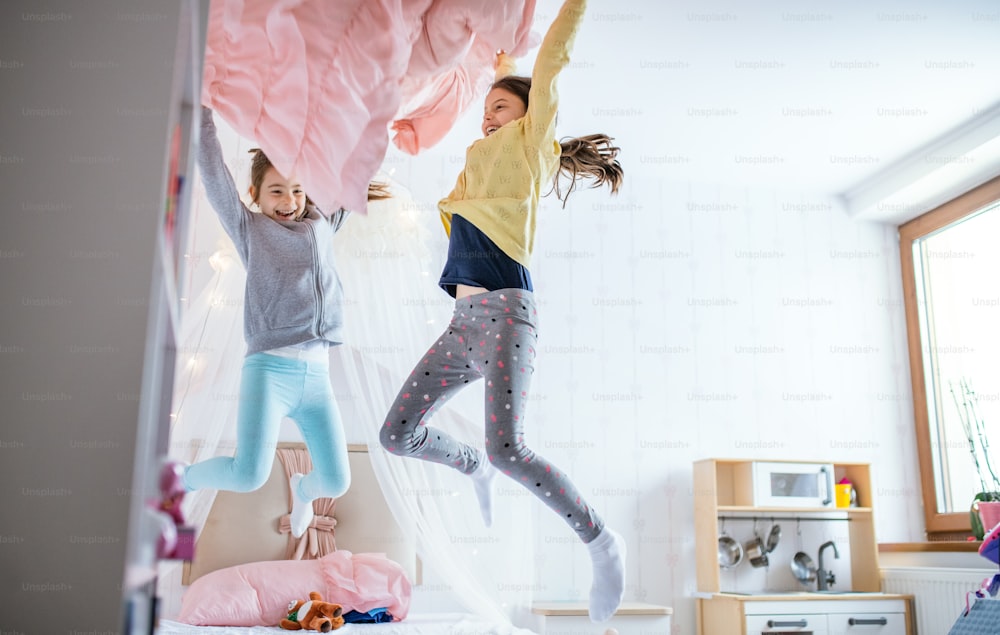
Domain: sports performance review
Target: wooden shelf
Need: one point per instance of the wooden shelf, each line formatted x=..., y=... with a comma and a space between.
x=787, y=511
x=731, y=613
x=943, y=546
x=812, y=597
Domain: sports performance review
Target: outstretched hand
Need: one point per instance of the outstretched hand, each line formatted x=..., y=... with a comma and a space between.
x=503, y=65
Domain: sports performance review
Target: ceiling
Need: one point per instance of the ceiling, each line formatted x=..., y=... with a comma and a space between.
x=854, y=100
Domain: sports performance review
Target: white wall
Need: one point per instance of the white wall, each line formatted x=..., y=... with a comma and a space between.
x=682, y=322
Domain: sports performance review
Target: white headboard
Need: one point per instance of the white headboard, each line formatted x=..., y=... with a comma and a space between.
x=243, y=527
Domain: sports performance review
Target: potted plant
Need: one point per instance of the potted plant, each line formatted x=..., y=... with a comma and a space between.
x=979, y=446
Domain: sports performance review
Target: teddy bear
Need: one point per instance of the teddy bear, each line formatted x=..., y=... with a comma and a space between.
x=313, y=615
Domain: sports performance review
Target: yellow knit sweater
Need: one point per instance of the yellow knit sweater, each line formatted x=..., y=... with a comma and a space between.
x=505, y=173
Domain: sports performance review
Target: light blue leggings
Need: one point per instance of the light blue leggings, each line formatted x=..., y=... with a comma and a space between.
x=273, y=387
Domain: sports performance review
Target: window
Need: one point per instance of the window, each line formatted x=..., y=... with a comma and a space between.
x=951, y=289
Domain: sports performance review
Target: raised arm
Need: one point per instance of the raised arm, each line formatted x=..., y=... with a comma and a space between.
x=220, y=189
x=553, y=56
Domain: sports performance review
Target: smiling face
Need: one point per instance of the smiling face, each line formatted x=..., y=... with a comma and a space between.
x=502, y=107
x=279, y=198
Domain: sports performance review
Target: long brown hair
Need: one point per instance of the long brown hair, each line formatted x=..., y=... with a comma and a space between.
x=592, y=156
x=260, y=163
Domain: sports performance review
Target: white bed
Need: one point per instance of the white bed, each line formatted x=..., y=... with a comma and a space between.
x=243, y=528
x=415, y=624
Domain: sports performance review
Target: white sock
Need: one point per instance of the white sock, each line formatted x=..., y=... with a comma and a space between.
x=607, y=553
x=482, y=481
x=302, y=510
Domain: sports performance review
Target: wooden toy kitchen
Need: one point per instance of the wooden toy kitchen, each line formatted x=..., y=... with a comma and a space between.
x=778, y=551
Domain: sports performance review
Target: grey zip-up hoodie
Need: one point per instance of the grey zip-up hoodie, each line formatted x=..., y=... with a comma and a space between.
x=293, y=293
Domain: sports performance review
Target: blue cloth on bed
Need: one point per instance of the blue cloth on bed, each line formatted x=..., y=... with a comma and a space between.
x=374, y=616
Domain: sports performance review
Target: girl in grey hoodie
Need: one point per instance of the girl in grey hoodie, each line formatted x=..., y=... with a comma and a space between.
x=293, y=311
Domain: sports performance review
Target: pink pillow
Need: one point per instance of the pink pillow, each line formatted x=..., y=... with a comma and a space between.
x=258, y=593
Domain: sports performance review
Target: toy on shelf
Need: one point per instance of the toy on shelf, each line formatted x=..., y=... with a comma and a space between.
x=175, y=540
x=990, y=549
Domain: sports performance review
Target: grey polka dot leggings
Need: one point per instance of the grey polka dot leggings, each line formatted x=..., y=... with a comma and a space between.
x=492, y=337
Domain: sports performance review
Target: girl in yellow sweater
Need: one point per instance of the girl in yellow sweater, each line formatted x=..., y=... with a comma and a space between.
x=490, y=220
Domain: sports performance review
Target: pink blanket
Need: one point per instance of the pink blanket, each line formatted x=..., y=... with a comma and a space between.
x=318, y=83
x=258, y=593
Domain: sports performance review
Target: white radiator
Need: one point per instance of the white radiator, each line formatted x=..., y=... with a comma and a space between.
x=938, y=593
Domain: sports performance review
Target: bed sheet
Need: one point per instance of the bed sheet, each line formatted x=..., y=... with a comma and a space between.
x=415, y=624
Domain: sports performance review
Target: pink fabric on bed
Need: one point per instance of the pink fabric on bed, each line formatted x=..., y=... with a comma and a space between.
x=258, y=593
x=317, y=83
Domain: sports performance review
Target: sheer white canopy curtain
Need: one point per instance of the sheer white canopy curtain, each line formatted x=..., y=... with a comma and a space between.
x=389, y=261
